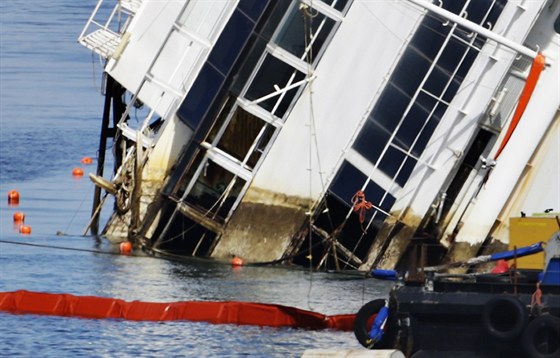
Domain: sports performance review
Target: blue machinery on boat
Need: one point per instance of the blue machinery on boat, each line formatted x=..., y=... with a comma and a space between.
x=515, y=314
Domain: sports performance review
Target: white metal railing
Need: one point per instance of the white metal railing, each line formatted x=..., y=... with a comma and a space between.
x=476, y=28
x=103, y=31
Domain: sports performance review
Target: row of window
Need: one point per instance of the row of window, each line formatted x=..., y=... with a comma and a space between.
x=415, y=99
x=246, y=125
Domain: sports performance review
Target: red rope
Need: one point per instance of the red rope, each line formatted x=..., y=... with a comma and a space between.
x=360, y=205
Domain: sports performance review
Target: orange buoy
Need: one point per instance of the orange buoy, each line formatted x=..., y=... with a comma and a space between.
x=77, y=172
x=19, y=217
x=86, y=160
x=125, y=247
x=236, y=261
x=26, y=230
x=13, y=196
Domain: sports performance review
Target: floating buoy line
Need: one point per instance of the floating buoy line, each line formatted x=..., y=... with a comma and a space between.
x=216, y=312
x=227, y=312
x=58, y=247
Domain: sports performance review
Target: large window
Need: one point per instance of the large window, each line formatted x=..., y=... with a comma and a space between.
x=420, y=88
x=235, y=138
x=220, y=62
x=292, y=35
x=215, y=190
x=241, y=134
x=274, y=74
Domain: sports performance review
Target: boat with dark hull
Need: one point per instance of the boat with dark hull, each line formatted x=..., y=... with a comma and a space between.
x=510, y=314
x=325, y=133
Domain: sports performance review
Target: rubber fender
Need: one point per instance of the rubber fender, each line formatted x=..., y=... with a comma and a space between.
x=364, y=320
x=541, y=338
x=504, y=317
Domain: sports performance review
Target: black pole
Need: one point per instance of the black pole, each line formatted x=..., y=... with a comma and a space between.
x=94, y=227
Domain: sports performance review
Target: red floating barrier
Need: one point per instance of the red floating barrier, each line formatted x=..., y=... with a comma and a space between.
x=25, y=230
x=86, y=160
x=227, y=312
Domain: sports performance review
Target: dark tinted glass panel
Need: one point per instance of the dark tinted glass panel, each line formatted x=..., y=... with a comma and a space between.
x=371, y=141
x=249, y=63
x=460, y=76
x=347, y=182
x=477, y=10
x=479, y=42
x=410, y=71
x=391, y=161
x=374, y=194
x=453, y=5
x=496, y=11
x=451, y=55
x=437, y=81
x=252, y=8
x=292, y=35
x=406, y=170
x=339, y=5
x=452, y=89
x=273, y=72
x=390, y=107
x=200, y=96
x=231, y=42
x=414, y=121
x=424, y=137
x=429, y=37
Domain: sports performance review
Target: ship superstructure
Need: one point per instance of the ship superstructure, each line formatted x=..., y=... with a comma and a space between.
x=331, y=133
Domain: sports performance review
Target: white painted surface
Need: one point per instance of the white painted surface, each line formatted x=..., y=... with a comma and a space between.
x=536, y=120
x=460, y=122
x=171, y=140
x=174, y=61
x=349, y=78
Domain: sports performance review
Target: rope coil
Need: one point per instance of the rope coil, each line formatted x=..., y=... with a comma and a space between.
x=360, y=205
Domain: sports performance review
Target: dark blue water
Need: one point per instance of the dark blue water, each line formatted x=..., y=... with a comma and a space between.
x=50, y=114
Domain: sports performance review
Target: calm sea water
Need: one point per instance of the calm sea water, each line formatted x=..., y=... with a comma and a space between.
x=50, y=111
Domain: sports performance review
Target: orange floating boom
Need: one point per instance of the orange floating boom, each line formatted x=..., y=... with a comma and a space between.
x=227, y=312
x=534, y=74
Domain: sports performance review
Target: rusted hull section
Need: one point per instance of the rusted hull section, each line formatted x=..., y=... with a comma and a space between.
x=260, y=232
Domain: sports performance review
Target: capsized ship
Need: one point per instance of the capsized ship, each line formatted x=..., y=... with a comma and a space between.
x=330, y=133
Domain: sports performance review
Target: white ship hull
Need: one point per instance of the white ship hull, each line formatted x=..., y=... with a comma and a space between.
x=263, y=123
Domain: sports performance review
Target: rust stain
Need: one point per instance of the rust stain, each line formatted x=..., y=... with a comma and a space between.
x=262, y=227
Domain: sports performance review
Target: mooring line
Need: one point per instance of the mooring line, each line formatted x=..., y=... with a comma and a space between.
x=60, y=247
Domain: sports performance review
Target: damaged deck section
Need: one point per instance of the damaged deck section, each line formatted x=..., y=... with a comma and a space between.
x=256, y=138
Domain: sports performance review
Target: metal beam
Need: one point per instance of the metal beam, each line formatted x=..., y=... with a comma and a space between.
x=476, y=28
